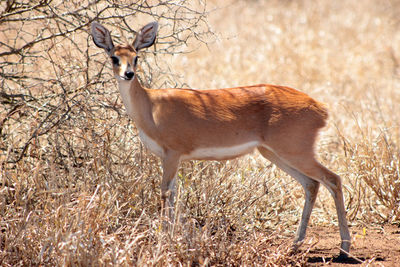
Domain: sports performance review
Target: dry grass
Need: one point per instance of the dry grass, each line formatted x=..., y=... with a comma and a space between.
x=84, y=191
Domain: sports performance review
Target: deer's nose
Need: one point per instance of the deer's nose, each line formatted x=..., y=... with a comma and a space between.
x=129, y=74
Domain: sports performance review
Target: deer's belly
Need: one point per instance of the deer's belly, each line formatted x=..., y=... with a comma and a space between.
x=205, y=153
x=221, y=153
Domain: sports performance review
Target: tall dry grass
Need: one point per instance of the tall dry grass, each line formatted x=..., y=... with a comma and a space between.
x=78, y=188
x=343, y=53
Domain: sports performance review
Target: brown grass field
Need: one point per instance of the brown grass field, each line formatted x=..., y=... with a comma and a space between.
x=77, y=188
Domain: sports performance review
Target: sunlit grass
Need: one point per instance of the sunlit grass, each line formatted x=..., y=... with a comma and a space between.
x=98, y=202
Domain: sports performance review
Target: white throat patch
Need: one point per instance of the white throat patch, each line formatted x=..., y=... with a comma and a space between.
x=125, y=91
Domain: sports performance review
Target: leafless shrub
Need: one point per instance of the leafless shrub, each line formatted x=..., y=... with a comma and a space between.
x=63, y=138
x=51, y=77
x=77, y=187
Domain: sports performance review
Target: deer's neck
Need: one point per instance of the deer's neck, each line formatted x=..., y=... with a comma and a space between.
x=137, y=104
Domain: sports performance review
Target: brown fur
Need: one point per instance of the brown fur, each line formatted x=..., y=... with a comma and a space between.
x=282, y=122
x=233, y=115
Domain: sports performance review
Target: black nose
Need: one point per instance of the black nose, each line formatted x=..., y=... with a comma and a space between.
x=129, y=74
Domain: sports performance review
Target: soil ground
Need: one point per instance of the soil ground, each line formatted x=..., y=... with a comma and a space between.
x=379, y=246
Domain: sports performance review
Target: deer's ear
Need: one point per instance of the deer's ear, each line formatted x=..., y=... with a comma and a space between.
x=146, y=36
x=102, y=37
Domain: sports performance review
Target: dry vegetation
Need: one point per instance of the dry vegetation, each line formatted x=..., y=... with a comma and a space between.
x=78, y=188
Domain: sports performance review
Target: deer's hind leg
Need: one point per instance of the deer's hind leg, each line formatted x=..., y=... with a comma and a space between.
x=301, y=164
x=309, y=185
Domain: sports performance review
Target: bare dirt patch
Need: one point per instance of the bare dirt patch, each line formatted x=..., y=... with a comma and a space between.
x=379, y=246
x=77, y=188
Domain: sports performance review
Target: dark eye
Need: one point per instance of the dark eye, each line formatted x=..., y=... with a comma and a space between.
x=115, y=60
x=135, y=61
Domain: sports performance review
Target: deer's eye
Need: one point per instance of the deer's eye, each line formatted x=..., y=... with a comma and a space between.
x=115, y=60
x=135, y=61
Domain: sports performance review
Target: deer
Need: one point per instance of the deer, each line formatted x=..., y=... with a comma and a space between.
x=179, y=124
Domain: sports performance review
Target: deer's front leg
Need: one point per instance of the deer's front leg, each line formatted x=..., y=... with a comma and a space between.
x=170, y=164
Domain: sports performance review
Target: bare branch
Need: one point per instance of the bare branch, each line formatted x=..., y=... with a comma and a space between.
x=52, y=78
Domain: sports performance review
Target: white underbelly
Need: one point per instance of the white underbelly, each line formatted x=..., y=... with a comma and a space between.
x=216, y=153
x=220, y=153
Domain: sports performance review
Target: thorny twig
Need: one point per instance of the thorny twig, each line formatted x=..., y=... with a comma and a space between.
x=52, y=81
